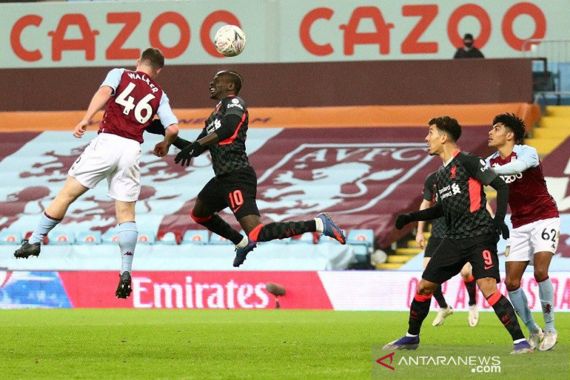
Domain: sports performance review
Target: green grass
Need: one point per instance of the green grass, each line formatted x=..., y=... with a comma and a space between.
x=229, y=344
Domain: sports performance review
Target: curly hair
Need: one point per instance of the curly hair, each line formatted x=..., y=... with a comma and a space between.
x=514, y=123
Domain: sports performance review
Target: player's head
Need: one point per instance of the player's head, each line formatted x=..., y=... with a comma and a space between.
x=224, y=83
x=151, y=61
x=507, y=129
x=442, y=130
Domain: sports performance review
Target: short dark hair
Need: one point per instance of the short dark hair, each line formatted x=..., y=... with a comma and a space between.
x=447, y=124
x=514, y=123
x=468, y=36
x=154, y=57
x=235, y=77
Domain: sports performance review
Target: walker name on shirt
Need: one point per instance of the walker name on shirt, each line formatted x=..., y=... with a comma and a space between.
x=144, y=79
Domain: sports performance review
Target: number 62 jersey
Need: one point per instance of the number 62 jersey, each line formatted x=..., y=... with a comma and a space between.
x=136, y=99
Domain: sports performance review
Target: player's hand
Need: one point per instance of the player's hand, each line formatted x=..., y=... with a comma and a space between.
x=420, y=239
x=402, y=220
x=502, y=228
x=184, y=157
x=80, y=129
x=161, y=149
x=155, y=127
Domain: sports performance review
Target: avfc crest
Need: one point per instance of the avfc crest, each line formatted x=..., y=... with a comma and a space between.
x=340, y=178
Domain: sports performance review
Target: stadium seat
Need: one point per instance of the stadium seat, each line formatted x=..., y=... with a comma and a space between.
x=282, y=241
x=61, y=237
x=218, y=240
x=306, y=238
x=168, y=238
x=110, y=237
x=88, y=238
x=146, y=237
x=8, y=237
x=195, y=237
x=362, y=241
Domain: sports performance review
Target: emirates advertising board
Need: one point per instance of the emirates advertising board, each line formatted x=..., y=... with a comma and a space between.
x=84, y=34
x=326, y=290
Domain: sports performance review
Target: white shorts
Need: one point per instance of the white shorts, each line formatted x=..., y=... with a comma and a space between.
x=115, y=158
x=539, y=236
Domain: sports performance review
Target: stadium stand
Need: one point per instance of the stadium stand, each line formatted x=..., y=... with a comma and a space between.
x=88, y=238
x=61, y=236
x=199, y=237
x=362, y=171
x=8, y=237
x=552, y=130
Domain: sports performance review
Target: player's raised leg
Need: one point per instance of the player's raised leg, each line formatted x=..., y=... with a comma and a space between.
x=51, y=217
x=258, y=232
x=546, y=294
x=212, y=199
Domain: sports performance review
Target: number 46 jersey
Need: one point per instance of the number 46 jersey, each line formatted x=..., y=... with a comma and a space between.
x=136, y=99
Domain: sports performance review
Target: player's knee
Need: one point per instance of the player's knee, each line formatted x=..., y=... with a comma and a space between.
x=512, y=283
x=487, y=285
x=199, y=218
x=426, y=288
x=540, y=274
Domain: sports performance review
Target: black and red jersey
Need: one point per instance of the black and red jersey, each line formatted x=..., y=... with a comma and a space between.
x=460, y=191
x=229, y=154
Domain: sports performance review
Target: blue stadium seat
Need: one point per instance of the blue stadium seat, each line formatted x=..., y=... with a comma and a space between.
x=146, y=237
x=217, y=239
x=195, y=237
x=61, y=237
x=168, y=238
x=362, y=241
x=282, y=241
x=8, y=237
x=306, y=238
x=110, y=237
x=88, y=237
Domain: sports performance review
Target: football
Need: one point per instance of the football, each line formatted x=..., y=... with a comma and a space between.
x=229, y=40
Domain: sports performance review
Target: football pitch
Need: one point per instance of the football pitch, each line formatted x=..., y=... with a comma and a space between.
x=275, y=344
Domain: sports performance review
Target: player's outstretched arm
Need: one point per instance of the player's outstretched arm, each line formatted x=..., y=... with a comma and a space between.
x=527, y=157
x=427, y=214
x=170, y=135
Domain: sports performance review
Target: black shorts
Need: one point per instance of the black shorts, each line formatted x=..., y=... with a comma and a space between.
x=236, y=190
x=432, y=244
x=451, y=254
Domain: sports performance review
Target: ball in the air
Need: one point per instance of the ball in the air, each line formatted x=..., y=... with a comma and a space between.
x=229, y=40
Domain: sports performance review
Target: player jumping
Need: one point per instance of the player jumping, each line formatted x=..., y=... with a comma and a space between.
x=235, y=181
x=471, y=234
x=535, y=219
x=130, y=99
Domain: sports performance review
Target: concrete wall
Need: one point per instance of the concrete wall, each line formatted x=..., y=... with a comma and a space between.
x=465, y=81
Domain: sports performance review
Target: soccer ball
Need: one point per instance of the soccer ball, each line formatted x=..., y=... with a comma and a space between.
x=229, y=40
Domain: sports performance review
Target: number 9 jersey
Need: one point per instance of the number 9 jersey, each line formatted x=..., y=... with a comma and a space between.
x=136, y=99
